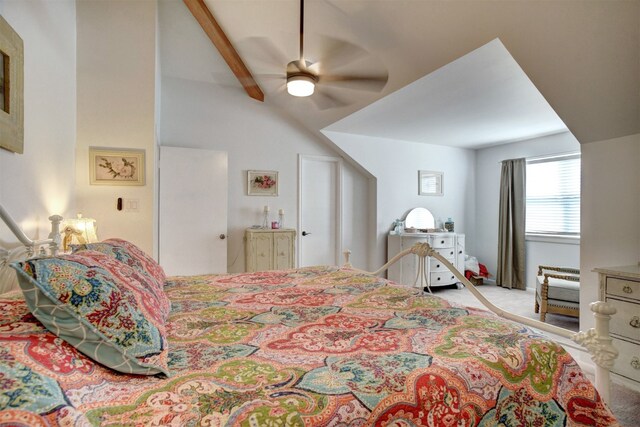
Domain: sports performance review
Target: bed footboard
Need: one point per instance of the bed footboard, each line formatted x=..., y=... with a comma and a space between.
x=596, y=341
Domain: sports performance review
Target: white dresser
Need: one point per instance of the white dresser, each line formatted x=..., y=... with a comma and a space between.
x=621, y=287
x=267, y=249
x=405, y=271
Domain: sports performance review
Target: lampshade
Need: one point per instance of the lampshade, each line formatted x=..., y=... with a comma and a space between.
x=78, y=231
x=301, y=85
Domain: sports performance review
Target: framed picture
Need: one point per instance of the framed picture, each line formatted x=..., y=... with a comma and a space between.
x=262, y=183
x=116, y=167
x=430, y=183
x=11, y=89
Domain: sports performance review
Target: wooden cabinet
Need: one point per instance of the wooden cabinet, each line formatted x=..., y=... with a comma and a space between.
x=405, y=271
x=620, y=286
x=267, y=249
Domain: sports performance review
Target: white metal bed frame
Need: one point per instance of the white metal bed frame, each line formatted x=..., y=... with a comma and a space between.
x=595, y=340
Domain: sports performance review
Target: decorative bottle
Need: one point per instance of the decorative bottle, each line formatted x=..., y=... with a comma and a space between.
x=265, y=219
x=448, y=225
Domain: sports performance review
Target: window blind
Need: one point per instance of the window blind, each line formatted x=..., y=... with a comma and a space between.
x=553, y=195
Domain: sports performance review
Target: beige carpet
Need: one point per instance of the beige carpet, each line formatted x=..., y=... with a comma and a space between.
x=625, y=403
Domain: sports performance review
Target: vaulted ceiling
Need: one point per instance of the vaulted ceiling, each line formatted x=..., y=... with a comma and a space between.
x=582, y=56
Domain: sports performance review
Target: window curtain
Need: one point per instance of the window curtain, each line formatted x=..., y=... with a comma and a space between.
x=511, y=229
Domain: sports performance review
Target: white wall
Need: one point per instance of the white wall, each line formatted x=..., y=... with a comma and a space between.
x=204, y=106
x=488, y=169
x=610, y=212
x=395, y=165
x=40, y=182
x=116, y=109
x=255, y=136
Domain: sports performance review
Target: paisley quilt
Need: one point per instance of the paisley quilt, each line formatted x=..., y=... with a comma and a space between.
x=321, y=346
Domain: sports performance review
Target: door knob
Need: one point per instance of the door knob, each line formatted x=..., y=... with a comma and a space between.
x=222, y=237
x=304, y=233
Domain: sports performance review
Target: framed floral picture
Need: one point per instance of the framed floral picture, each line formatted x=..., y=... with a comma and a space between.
x=116, y=167
x=262, y=183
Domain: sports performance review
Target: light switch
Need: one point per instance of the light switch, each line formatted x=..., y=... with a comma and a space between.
x=132, y=205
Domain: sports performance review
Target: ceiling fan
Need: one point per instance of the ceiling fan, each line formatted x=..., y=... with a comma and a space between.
x=305, y=78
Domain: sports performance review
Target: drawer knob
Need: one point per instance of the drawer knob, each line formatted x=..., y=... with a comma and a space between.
x=627, y=290
x=635, y=322
x=635, y=363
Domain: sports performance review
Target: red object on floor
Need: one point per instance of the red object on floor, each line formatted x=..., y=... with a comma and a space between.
x=482, y=273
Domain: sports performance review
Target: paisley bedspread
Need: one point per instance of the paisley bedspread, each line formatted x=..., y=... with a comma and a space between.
x=307, y=347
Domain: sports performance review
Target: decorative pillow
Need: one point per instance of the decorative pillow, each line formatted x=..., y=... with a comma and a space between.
x=100, y=306
x=134, y=257
x=128, y=253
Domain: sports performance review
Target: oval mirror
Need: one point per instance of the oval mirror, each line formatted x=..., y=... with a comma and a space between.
x=419, y=218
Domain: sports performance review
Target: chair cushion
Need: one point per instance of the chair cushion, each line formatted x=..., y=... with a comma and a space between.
x=559, y=289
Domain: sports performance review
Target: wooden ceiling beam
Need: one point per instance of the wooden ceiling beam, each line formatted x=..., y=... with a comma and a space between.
x=210, y=26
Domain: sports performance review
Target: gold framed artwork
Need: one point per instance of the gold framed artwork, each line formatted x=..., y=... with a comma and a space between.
x=11, y=89
x=262, y=183
x=116, y=167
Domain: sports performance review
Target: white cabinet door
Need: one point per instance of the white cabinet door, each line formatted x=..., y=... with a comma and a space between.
x=283, y=250
x=192, y=211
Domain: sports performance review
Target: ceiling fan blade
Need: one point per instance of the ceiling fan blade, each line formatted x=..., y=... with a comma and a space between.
x=263, y=49
x=334, y=54
x=324, y=100
x=358, y=82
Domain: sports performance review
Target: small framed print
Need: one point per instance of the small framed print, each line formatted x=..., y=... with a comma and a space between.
x=430, y=183
x=262, y=183
x=116, y=167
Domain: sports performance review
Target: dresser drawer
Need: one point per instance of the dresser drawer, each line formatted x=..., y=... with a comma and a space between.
x=437, y=265
x=626, y=321
x=628, y=362
x=448, y=253
x=623, y=288
x=442, y=278
x=442, y=241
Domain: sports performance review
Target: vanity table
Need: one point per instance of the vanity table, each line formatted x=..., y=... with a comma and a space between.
x=449, y=245
x=419, y=227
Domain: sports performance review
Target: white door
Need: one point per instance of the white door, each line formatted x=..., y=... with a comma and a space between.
x=193, y=211
x=319, y=232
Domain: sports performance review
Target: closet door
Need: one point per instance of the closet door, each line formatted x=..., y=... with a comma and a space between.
x=193, y=211
x=320, y=211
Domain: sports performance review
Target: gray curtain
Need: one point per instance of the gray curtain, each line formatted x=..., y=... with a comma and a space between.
x=511, y=228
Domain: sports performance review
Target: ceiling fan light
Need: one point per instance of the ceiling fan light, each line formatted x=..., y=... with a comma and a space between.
x=300, y=85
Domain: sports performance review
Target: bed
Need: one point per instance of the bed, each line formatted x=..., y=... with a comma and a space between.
x=313, y=346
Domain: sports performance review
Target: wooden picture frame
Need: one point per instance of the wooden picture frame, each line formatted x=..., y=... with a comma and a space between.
x=430, y=183
x=262, y=183
x=11, y=89
x=116, y=167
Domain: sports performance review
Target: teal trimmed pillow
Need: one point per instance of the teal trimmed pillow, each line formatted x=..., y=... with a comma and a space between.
x=134, y=257
x=100, y=306
x=128, y=253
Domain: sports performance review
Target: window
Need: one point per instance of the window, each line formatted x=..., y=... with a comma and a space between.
x=553, y=196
